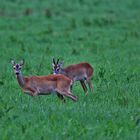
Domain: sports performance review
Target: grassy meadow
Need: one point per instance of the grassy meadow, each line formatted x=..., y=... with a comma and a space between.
x=104, y=33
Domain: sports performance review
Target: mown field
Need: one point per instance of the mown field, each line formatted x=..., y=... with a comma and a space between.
x=104, y=33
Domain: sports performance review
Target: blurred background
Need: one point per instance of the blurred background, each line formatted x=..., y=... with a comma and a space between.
x=104, y=33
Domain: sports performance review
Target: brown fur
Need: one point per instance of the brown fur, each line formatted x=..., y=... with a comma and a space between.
x=78, y=72
x=43, y=85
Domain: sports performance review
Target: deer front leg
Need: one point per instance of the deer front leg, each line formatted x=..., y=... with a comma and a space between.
x=90, y=85
x=60, y=97
x=71, y=87
x=84, y=86
x=33, y=92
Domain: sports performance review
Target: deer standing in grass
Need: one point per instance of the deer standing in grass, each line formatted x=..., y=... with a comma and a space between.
x=78, y=72
x=43, y=85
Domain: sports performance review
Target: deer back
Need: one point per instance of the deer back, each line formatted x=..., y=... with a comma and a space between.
x=46, y=83
x=78, y=71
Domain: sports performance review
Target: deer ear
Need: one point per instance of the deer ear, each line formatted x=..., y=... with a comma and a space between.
x=57, y=61
x=13, y=62
x=22, y=62
x=53, y=64
x=62, y=63
x=53, y=60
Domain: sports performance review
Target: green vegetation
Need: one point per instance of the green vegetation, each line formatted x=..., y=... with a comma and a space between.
x=105, y=33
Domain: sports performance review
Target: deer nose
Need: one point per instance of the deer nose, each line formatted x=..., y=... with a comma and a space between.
x=17, y=73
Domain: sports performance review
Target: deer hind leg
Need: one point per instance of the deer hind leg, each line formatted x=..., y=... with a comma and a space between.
x=68, y=94
x=90, y=85
x=60, y=96
x=84, y=86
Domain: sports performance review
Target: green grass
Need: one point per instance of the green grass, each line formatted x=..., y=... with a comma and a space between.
x=106, y=34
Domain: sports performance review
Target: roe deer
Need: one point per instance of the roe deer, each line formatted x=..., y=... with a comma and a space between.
x=43, y=85
x=78, y=72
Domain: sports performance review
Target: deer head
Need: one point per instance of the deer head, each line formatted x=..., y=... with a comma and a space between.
x=57, y=67
x=17, y=66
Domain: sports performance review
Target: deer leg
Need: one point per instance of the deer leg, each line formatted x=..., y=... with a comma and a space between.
x=68, y=94
x=71, y=87
x=90, y=85
x=60, y=96
x=31, y=91
x=35, y=93
x=84, y=86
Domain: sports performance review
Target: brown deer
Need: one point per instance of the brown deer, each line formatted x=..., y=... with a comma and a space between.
x=78, y=72
x=43, y=85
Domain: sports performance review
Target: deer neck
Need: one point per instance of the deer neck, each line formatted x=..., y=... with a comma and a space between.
x=67, y=73
x=63, y=72
x=20, y=80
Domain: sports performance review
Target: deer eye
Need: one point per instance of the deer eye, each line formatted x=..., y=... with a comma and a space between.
x=57, y=69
